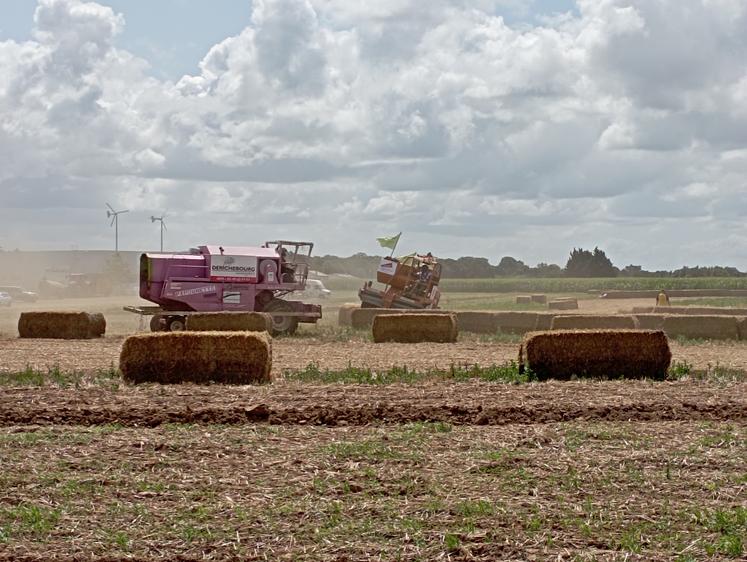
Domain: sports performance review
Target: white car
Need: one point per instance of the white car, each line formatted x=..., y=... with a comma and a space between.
x=5, y=299
x=316, y=289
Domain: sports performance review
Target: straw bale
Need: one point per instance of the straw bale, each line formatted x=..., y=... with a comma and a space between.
x=362, y=318
x=544, y=320
x=701, y=327
x=596, y=353
x=522, y=322
x=415, y=328
x=644, y=309
x=345, y=314
x=593, y=322
x=565, y=304
x=649, y=321
x=524, y=299
x=479, y=322
x=197, y=357
x=61, y=325
x=541, y=299
x=700, y=310
x=229, y=322
x=678, y=293
x=742, y=327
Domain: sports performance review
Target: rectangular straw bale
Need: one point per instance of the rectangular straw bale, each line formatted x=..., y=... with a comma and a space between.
x=524, y=299
x=701, y=310
x=61, y=325
x=544, y=320
x=229, y=322
x=415, y=328
x=742, y=327
x=517, y=322
x=649, y=321
x=345, y=314
x=478, y=322
x=566, y=304
x=362, y=318
x=593, y=322
x=197, y=357
x=596, y=353
x=701, y=327
x=644, y=309
x=541, y=299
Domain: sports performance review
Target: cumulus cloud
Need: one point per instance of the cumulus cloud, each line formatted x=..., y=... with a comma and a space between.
x=341, y=121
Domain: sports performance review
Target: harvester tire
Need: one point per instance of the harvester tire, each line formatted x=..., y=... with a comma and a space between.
x=156, y=324
x=175, y=323
x=281, y=325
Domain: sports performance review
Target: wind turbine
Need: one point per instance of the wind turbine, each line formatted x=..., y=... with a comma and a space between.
x=163, y=226
x=114, y=215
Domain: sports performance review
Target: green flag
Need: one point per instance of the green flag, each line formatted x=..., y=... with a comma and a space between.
x=390, y=242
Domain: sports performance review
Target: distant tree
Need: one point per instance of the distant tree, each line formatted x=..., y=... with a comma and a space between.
x=511, y=267
x=583, y=263
x=547, y=270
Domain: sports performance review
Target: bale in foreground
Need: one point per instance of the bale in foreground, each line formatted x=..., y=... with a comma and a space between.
x=61, y=325
x=596, y=353
x=415, y=328
x=229, y=322
x=198, y=357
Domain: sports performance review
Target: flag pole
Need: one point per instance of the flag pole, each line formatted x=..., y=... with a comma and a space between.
x=395, y=244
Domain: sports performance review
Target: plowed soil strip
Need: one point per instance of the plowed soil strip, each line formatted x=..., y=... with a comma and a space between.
x=459, y=403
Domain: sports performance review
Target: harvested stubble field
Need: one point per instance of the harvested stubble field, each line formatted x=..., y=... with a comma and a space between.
x=421, y=491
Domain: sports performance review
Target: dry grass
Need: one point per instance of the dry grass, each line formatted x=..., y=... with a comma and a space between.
x=199, y=357
x=61, y=325
x=596, y=353
x=415, y=328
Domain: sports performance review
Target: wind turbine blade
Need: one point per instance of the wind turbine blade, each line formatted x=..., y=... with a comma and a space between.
x=113, y=219
x=164, y=225
x=110, y=207
x=125, y=211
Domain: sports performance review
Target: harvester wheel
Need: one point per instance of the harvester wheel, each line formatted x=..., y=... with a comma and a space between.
x=156, y=324
x=175, y=323
x=282, y=325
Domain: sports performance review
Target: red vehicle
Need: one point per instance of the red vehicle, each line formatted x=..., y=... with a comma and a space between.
x=230, y=278
x=409, y=282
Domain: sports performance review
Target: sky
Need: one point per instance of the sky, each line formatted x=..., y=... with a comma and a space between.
x=483, y=127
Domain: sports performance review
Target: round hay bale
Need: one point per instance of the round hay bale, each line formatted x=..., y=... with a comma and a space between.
x=415, y=328
x=596, y=353
x=524, y=299
x=197, y=357
x=61, y=325
x=593, y=322
x=540, y=299
x=478, y=322
x=229, y=322
x=345, y=314
x=565, y=304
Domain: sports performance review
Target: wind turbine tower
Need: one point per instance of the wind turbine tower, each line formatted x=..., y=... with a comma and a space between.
x=114, y=215
x=163, y=227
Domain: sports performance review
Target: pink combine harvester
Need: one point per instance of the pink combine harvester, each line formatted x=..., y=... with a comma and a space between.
x=230, y=278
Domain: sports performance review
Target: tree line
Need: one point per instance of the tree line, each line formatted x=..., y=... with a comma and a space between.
x=580, y=263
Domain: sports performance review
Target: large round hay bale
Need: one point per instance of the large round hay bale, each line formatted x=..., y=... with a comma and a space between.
x=593, y=322
x=540, y=299
x=596, y=353
x=524, y=299
x=563, y=304
x=415, y=328
x=345, y=314
x=61, y=325
x=478, y=322
x=229, y=322
x=197, y=357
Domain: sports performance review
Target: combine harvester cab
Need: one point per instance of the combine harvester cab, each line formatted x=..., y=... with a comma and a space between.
x=410, y=283
x=231, y=278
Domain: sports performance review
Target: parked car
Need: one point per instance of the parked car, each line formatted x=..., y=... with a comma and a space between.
x=20, y=294
x=5, y=299
x=315, y=289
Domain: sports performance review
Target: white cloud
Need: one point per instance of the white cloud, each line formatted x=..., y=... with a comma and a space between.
x=343, y=120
